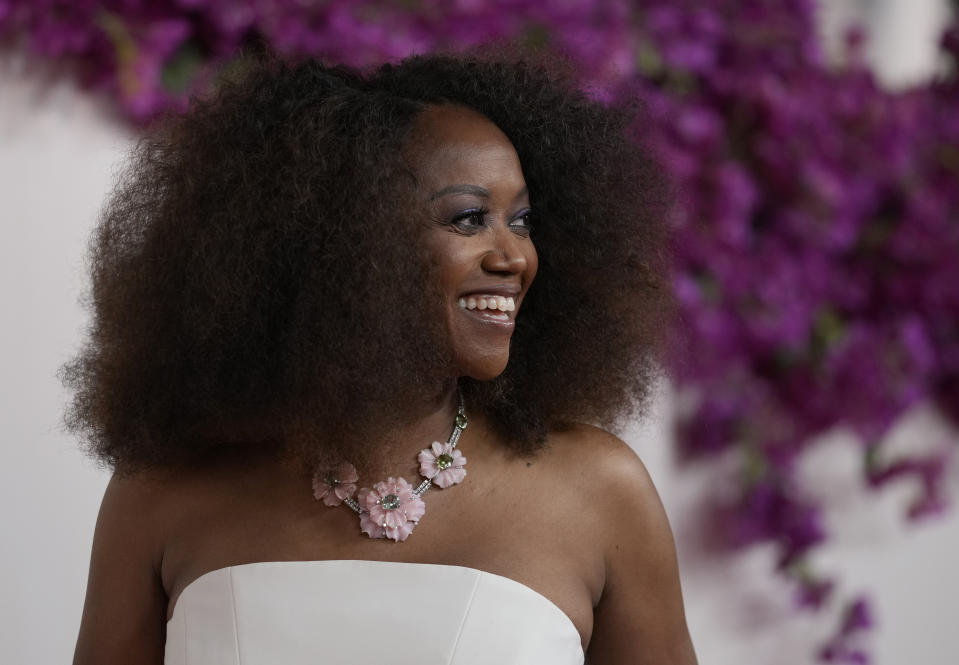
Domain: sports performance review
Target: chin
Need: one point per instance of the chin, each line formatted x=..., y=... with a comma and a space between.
x=485, y=376
x=487, y=370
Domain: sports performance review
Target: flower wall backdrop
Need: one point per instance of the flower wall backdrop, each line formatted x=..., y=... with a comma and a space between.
x=817, y=216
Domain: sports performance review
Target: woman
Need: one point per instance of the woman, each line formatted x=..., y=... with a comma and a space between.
x=346, y=327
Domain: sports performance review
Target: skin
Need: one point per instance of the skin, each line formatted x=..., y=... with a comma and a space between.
x=600, y=548
x=470, y=175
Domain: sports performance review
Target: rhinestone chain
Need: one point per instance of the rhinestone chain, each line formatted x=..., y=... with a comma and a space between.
x=459, y=424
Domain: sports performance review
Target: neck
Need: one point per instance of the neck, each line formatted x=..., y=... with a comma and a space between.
x=432, y=421
x=412, y=430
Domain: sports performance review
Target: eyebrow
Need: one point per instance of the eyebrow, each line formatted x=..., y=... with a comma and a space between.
x=476, y=190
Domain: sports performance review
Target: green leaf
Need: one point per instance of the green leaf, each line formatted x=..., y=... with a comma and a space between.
x=181, y=68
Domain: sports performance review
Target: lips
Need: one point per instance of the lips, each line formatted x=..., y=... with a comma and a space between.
x=504, y=290
x=492, y=318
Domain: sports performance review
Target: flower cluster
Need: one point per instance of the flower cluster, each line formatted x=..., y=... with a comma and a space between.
x=152, y=55
x=817, y=221
x=816, y=226
x=391, y=509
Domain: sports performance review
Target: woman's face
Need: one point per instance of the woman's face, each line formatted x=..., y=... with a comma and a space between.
x=469, y=176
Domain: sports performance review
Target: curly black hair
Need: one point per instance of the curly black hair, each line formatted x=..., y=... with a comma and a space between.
x=244, y=269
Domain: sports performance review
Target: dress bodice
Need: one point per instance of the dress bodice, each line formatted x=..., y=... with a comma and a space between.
x=366, y=613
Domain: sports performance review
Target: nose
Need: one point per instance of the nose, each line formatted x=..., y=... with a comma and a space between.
x=505, y=253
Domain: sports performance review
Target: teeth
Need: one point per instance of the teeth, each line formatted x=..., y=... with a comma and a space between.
x=488, y=302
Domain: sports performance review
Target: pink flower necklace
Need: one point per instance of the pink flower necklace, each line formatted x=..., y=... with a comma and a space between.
x=393, y=507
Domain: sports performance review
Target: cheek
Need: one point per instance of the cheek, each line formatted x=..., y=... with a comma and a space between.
x=456, y=266
x=447, y=262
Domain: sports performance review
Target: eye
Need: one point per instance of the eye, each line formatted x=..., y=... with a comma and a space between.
x=470, y=220
x=523, y=222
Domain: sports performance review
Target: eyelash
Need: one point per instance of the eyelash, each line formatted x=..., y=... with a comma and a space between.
x=479, y=215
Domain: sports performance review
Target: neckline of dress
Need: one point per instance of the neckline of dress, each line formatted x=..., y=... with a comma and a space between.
x=508, y=580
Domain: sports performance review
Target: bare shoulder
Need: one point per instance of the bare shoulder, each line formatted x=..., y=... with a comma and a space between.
x=640, y=616
x=133, y=512
x=609, y=475
x=124, y=611
x=587, y=440
x=148, y=506
x=609, y=468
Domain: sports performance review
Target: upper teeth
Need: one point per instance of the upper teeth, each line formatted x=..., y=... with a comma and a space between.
x=488, y=302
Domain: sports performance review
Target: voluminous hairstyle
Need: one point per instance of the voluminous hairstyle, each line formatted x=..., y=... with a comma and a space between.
x=247, y=269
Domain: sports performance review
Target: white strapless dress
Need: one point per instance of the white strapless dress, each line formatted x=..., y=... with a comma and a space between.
x=353, y=612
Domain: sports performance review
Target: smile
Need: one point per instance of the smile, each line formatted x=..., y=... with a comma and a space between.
x=490, y=309
x=488, y=302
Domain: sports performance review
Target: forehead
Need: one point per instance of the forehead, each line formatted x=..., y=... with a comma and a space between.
x=456, y=143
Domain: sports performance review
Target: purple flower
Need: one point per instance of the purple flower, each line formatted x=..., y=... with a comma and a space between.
x=841, y=648
x=813, y=594
x=858, y=617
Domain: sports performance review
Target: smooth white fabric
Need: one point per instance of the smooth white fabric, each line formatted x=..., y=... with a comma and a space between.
x=366, y=613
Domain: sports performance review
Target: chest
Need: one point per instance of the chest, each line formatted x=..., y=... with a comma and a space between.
x=506, y=530
x=354, y=611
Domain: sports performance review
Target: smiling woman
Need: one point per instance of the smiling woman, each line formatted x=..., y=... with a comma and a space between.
x=322, y=279
x=470, y=173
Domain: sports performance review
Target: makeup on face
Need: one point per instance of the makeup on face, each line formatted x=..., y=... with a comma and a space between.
x=480, y=236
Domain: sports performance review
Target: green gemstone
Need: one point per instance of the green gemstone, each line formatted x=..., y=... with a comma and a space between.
x=444, y=461
x=460, y=420
x=390, y=502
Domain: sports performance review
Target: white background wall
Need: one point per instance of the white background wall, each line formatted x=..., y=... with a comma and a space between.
x=903, y=34
x=58, y=151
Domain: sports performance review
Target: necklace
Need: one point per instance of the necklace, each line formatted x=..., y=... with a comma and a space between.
x=391, y=508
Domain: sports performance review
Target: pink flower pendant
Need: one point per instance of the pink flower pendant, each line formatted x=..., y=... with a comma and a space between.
x=443, y=464
x=392, y=510
x=336, y=485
